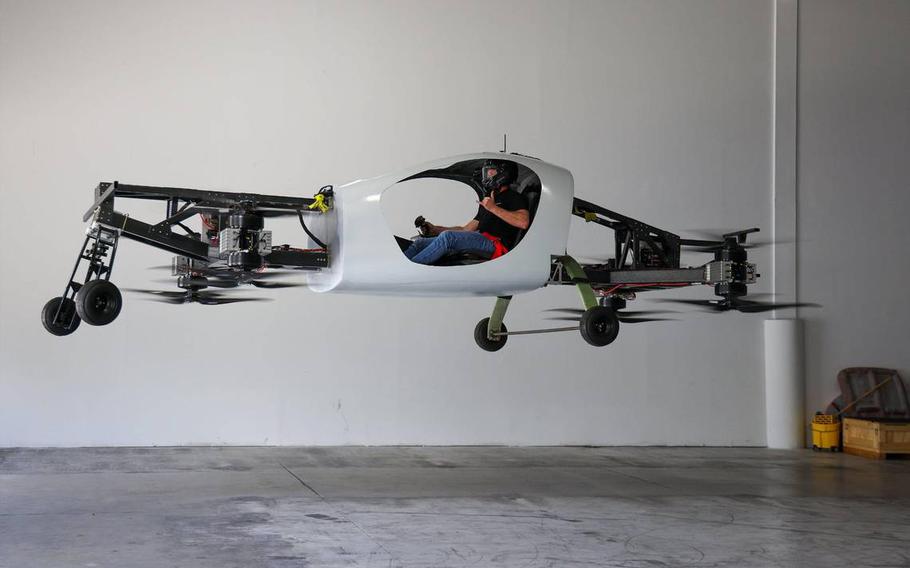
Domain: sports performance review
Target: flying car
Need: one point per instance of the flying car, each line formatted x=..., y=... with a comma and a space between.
x=357, y=252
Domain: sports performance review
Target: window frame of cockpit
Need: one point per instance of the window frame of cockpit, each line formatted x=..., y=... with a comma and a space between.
x=471, y=180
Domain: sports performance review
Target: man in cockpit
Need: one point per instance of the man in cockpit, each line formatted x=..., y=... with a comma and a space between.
x=502, y=213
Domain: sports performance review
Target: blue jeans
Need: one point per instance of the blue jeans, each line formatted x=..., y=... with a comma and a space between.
x=427, y=250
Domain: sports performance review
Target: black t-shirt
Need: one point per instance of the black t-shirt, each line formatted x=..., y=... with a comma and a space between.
x=490, y=223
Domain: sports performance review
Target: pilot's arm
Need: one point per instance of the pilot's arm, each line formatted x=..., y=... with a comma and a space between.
x=520, y=218
x=433, y=230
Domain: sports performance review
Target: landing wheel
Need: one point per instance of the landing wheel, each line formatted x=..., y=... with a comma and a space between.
x=484, y=342
x=67, y=314
x=98, y=302
x=599, y=326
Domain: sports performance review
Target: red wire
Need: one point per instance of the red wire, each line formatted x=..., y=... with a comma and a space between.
x=645, y=284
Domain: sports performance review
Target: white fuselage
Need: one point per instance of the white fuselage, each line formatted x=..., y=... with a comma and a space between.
x=365, y=257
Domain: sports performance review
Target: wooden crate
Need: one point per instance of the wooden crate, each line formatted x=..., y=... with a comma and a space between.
x=877, y=440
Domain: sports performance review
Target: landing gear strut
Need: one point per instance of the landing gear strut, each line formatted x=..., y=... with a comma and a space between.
x=490, y=333
x=599, y=324
x=95, y=299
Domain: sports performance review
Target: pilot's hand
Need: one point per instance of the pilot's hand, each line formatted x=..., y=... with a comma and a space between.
x=488, y=203
x=422, y=225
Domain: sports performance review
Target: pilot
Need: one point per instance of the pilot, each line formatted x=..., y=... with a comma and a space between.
x=501, y=215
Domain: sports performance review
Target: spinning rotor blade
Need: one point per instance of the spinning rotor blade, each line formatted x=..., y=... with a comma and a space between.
x=708, y=304
x=274, y=273
x=711, y=234
x=181, y=300
x=225, y=277
x=750, y=307
x=627, y=313
x=166, y=296
x=214, y=300
x=740, y=305
x=633, y=313
x=622, y=315
x=191, y=296
x=717, y=238
x=160, y=293
x=578, y=311
x=276, y=285
x=641, y=320
x=200, y=282
x=715, y=248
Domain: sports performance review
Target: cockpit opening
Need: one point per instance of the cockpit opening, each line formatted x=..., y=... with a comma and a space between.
x=470, y=212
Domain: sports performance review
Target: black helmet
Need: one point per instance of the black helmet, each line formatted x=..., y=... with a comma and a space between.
x=497, y=173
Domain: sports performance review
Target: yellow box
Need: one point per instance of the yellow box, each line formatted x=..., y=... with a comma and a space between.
x=876, y=439
x=825, y=432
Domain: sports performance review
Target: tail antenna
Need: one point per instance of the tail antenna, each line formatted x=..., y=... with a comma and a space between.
x=503, y=143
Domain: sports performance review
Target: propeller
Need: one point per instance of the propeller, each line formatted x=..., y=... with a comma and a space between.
x=193, y=296
x=622, y=315
x=212, y=282
x=274, y=273
x=200, y=282
x=170, y=296
x=212, y=299
x=719, y=236
x=262, y=279
x=739, y=304
x=276, y=285
x=224, y=277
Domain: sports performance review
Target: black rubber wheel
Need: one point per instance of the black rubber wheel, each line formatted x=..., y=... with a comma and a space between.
x=484, y=342
x=245, y=221
x=67, y=314
x=599, y=326
x=98, y=302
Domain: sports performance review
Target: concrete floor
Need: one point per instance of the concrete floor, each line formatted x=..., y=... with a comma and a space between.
x=633, y=507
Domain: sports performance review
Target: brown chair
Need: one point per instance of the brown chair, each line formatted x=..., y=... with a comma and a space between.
x=874, y=393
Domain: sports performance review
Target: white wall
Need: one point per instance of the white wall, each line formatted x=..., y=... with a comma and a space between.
x=854, y=177
x=661, y=110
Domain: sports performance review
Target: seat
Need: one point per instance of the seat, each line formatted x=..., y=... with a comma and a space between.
x=532, y=192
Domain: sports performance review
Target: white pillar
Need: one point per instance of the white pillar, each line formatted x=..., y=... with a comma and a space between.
x=783, y=157
x=785, y=422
